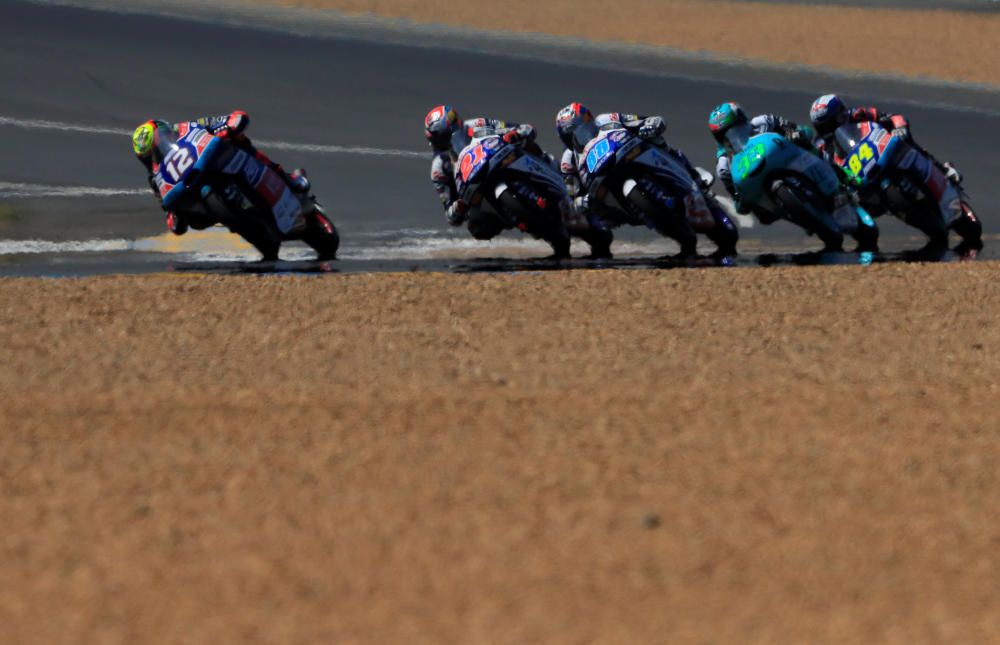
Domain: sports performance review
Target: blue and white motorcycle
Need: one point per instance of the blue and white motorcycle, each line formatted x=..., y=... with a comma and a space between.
x=507, y=187
x=630, y=180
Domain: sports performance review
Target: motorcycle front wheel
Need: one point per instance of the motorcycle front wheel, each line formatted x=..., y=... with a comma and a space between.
x=321, y=234
x=669, y=223
x=541, y=223
x=802, y=213
x=251, y=224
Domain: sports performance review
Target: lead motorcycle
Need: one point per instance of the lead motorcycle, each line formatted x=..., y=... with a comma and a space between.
x=506, y=187
x=892, y=176
x=208, y=178
x=629, y=180
x=779, y=179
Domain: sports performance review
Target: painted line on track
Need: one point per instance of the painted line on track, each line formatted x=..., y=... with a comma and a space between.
x=9, y=190
x=42, y=124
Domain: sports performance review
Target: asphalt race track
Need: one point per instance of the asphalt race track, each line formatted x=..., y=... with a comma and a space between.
x=75, y=82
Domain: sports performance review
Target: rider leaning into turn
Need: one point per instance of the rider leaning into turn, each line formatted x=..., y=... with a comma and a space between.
x=829, y=112
x=726, y=117
x=576, y=115
x=447, y=134
x=230, y=127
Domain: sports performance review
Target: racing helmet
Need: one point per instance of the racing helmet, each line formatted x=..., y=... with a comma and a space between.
x=827, y=114
x=724, y=118
x=150, y=136
x=439, y=124
x=575, y=123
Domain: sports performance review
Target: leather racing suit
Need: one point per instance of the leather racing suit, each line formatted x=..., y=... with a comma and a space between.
x=443, y=178
x=650, y=128
x=759, y=125
x=891, y=122
x=443, y=162
x=230, y=127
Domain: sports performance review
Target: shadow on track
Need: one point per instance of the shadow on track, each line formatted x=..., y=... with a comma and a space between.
x=523, y=265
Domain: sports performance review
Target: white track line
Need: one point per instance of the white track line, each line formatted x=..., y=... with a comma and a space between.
x=41, y=124
x=10, y=190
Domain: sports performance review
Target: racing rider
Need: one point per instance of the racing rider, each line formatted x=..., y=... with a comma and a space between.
x=230, y=127
x=829, y=112
x=731, y=117
x=575, y=123
x=447, y=135
x=577, y=126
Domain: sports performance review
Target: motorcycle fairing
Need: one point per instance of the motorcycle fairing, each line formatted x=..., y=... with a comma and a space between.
x=198, y=151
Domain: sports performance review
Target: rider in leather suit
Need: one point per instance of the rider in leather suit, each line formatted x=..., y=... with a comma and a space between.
x=447, y=134
x=230, y=127
x=574, y=115
x=829, y=112
x=730, y=115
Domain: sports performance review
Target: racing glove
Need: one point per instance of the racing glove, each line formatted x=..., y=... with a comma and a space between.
x=652, y=127
x=522, y=132
x=456, y=213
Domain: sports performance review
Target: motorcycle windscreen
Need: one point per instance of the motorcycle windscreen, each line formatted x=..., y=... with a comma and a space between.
x=737, y=137
x=166, y=143
x=584, y=134
x=460, y=139
x=848, y=136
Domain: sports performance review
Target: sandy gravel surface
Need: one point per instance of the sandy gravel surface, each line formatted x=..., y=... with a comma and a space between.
x=950, y=45
x=783, y=455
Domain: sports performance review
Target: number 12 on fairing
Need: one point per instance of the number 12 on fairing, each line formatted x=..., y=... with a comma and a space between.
x=179, y=163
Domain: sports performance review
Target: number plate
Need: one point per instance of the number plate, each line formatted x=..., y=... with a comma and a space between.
x=597, y=154
x=863, y=159
x=179, y=162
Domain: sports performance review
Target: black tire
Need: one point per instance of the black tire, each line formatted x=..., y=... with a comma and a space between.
x=724, y=234
x=922, y=214
x=668, y=223
x=321, y=235
x=803, y=214
x=257, y=231
x=544, y=224
x=866, y=237
x=968, y=226
x=600, y=243
x=252, y=224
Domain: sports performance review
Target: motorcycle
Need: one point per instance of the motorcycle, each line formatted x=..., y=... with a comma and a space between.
x=506, y=187
x=891, y=175
x=629, y=180
x=205, y=177
x=779, y=179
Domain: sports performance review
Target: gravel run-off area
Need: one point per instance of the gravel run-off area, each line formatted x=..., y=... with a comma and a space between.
x=758, y=455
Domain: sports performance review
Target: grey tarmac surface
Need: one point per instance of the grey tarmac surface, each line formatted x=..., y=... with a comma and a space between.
x=368, y=84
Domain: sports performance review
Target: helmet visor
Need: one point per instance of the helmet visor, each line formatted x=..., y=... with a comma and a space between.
x=584, y=134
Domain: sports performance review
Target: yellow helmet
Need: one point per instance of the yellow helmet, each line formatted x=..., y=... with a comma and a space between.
x=144, y=139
